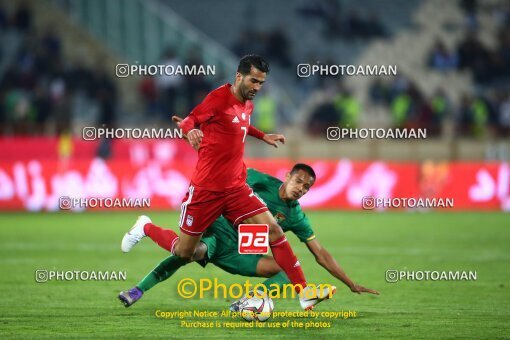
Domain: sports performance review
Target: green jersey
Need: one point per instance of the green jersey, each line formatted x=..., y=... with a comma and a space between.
x=288, y=214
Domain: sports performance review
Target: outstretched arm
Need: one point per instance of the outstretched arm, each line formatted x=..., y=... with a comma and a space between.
x=324, y=258
x=270, y=139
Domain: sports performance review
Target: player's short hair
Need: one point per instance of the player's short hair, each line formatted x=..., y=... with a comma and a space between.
x=301, y=166
x=254, y=60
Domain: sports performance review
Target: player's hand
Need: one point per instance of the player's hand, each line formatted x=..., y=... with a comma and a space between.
x=272, y=139
x=177, y=120
x=195, y=138
x=360, y=289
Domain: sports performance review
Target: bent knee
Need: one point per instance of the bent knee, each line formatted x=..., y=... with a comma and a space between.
x=185, y=254
x=275, y=231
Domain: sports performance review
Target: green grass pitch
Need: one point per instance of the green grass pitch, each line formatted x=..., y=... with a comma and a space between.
x=366, y=244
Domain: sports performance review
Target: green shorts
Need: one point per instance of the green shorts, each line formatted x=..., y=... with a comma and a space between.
x=225, y=255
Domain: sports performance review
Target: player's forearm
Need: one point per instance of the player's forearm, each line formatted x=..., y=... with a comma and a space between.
x=254, y=132
x=329, y=263
x=188, y=124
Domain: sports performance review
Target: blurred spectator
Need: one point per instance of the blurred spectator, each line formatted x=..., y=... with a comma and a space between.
x=441, y=59
x=51, y=43
x=278, y=47
x=3, y=17
x=504, y=114
x=349, y=109
x=324, y=116
x=23, y=18
x=374, y=27
x=105, y=92
x=149, y=95
x=379, y=92
x=195, y=85
x=440, y=107
x=168, y=85
x=401, y=109
x=266, y=112
x=474, y=114
x=470, y=8
x=329, y=11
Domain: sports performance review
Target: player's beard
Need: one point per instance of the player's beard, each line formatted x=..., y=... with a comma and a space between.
x=249, y=95
x=245, y=92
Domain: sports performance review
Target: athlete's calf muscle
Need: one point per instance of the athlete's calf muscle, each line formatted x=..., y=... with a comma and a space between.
x=267, y=267
x=186, y=246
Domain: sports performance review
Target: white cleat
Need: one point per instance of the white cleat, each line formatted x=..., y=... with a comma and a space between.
x=135, y=234
x=310, y=296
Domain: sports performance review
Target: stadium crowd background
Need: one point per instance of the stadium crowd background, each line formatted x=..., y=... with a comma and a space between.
x=43, y=92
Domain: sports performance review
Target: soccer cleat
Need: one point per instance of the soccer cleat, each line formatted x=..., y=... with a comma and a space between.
x=309, y=298
x=135, y=234
x=128, y=297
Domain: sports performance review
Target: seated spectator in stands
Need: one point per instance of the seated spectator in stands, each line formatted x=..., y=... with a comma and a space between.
x=374, y=27
x=473, y=116
x=474, y=56
x=503, y=109
x=348, y=108
x=23, y=18
x=266, y=112
x=51, y=43
x=149, y=95
x=440, y=108
x=324, y=116
x=168, y=85
x=401, y=107
x=195, y=84
x=278, y=47
x=470, y=8
x=441, y=59
x=354, y=25
x=379, y=92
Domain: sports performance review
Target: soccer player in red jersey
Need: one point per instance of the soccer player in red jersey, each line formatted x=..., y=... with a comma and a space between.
x=217, y=128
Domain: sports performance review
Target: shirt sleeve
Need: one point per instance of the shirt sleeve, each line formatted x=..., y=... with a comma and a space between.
x=253, y=131
x=300, y=225
x=200, y=114
x=256, y=179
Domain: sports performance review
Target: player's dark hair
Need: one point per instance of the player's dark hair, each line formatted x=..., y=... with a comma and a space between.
x=254, y=60
x=304, y=167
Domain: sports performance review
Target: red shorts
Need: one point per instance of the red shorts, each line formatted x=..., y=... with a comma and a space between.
x=200, y=208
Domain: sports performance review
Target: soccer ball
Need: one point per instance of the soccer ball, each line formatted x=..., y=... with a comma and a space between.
x=256, y=308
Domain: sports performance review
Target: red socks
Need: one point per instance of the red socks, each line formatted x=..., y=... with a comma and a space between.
x=165, y=238
x=284, y=256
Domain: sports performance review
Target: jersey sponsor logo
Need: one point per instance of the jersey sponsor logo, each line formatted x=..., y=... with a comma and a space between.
x=253, y=239
x=280, y=217
x=189, y=220
x=235, y=120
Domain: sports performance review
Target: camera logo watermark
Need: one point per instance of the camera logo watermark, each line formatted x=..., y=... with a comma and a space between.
x=307, y=70
x=336, y=133
x=371, y=203
x=44, y=275
x=68, y=203
x=393, y=275
x=126, y=70
x=93, y=133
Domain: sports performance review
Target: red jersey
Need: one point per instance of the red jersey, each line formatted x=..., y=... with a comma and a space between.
x=225, y=122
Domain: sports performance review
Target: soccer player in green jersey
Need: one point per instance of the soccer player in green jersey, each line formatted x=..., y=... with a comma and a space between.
x=220, y=244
